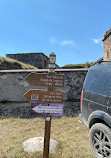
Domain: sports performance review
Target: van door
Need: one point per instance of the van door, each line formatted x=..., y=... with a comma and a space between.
x=97, y=85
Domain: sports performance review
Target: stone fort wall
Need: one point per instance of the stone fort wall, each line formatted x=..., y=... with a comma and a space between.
x=107, y=45
x=38, y=60
x=13, y=86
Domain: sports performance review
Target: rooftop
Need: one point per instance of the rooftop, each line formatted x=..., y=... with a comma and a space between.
x=107, y=34
x=29, y=53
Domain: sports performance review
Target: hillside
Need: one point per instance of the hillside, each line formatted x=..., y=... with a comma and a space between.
x=77, y=66
x=10, y=64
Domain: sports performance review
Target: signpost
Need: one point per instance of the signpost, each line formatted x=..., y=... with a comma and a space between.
x=46, y=102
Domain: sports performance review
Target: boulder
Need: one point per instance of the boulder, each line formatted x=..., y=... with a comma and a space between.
x=37, y=144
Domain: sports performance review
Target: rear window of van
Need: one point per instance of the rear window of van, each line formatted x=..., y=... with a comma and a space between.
x=98, y=80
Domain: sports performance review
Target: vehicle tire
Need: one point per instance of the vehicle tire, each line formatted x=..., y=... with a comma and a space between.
x=100, y=140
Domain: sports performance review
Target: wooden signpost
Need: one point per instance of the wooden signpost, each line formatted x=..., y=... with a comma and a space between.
x=46, y=102
x=45, y=79
x=42, y=96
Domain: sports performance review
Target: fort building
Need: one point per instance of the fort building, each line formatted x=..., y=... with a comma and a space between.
x=107, y=45
x=39, y=60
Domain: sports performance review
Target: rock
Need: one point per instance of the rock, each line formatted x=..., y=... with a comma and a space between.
x=37, y=144
x=79, y=121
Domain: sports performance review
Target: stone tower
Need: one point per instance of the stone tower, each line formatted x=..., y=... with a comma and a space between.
x=107, y=46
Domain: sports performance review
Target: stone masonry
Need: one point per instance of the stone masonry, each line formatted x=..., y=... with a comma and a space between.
x=38, y=60
x=107, y=45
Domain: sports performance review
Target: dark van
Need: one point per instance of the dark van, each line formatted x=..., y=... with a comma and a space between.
x=96, y=108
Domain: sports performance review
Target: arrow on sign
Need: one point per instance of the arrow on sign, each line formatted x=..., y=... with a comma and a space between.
x=43, y=96
x=45, y=79
x=47, y=109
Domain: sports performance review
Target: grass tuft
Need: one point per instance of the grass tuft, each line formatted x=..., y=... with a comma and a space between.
x=77, y=66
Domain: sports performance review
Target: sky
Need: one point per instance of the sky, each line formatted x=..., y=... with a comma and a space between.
x=72, y=29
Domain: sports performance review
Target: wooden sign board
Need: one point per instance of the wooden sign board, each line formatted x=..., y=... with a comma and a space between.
x=42, y=96
x=47, y=109
x=45, y=79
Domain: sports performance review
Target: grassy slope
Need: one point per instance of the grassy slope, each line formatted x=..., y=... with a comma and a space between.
x=72, y=136
x=86, y=65
x=8, y=64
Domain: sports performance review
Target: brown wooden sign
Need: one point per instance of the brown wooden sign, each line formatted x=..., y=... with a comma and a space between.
x=42, y=96
x=45, y=79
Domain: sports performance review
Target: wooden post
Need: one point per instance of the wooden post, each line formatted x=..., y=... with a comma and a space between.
x=47, y=137
x=48, y=119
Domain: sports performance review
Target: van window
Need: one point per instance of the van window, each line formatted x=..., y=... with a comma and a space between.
x=98, y=81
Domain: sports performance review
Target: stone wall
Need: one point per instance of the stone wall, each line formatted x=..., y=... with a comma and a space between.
x=13, y=86
x=23, y=110
x=107, y=46
x=38, y=60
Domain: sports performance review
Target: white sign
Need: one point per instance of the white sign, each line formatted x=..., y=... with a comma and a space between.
x=47, y=109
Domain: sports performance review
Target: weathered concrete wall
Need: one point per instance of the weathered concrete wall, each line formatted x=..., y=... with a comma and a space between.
x=13, y=86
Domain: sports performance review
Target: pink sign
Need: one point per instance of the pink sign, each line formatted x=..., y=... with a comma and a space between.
x=47, y=109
